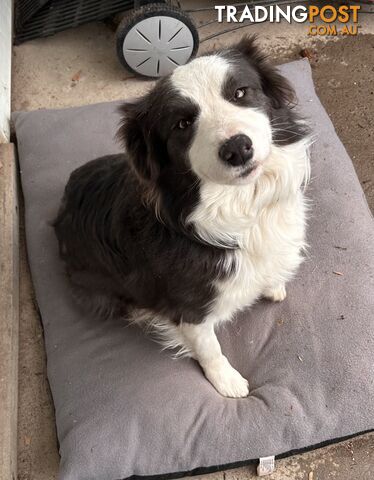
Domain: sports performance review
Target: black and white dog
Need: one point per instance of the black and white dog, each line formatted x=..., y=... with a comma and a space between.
x=202, y=215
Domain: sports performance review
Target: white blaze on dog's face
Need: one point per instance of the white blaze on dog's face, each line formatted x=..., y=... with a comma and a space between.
x=232, y=132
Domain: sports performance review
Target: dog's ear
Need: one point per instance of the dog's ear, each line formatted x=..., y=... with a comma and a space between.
x=274, y=85
x=134, y=134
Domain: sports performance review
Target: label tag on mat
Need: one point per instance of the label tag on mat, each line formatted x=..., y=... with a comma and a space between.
x=266, y=466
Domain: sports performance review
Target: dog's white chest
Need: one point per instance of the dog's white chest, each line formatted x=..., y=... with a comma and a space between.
x=269, y=258
x=266, y=219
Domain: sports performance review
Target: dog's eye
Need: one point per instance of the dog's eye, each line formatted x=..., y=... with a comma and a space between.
x=184, y=123
x=240, y=93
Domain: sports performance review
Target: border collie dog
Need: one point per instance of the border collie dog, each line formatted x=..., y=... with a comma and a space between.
x=203, y=214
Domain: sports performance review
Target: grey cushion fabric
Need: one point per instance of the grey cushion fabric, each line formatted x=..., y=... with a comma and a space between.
x=125, y=408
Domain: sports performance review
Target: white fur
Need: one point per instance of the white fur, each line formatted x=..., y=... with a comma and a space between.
x=163, y=330
x=263, y=217
x=266, y=219
x=202, y=341
x=199, y=342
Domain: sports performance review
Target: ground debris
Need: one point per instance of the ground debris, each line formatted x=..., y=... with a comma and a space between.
x=349, y=447
x=300, y=358
x=340, y=248
x=310, y=54
x=338, y=273
x=77, y=76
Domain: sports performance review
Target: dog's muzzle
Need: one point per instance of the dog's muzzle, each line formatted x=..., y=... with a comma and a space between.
x=237, y=151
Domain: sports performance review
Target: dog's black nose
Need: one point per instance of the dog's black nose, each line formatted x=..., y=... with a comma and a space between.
x=237, y=150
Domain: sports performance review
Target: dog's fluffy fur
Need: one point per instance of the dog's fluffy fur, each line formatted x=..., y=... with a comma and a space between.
x=172, y=237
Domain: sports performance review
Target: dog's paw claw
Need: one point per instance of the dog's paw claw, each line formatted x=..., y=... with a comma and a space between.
x=277, y=294
x=227, y=381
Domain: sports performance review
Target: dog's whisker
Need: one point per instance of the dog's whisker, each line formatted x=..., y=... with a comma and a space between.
x=280, y=130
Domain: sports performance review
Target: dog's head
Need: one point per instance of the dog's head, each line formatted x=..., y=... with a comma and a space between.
x=214, y=119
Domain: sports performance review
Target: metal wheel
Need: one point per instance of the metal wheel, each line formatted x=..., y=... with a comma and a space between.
x=155, y=39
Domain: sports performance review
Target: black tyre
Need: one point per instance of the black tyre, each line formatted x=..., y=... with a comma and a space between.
x=155, y=39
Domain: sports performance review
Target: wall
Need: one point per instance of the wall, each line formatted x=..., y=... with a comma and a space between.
x=6, y=9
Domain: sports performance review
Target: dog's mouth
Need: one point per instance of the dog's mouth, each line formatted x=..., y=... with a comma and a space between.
x=247, y=171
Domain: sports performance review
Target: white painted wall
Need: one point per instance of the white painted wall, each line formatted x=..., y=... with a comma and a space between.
x=6, y=11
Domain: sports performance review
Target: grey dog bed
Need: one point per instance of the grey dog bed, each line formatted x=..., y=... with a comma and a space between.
x=124, y=408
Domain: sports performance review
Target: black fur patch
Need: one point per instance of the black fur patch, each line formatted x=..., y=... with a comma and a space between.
x=119, y=255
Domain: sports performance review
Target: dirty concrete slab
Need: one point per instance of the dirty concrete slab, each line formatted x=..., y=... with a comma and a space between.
x=79, y=67
x=344, y=79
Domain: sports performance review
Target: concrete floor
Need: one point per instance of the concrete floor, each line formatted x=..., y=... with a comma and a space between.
x=79, y=66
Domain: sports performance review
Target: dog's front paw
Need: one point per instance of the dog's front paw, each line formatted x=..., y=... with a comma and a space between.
x=225, y=379
x=276, y=294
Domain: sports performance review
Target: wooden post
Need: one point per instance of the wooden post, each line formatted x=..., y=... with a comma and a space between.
x=9, y=312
